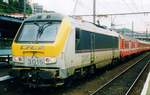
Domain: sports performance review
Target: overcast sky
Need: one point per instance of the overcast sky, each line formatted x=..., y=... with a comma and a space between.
x=141, y=22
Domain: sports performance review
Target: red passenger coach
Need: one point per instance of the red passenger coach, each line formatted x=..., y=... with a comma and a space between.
x=130, y=46
x=144, y=46
x=125, y=46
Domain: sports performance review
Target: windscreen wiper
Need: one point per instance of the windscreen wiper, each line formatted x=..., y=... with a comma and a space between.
x=41, y=29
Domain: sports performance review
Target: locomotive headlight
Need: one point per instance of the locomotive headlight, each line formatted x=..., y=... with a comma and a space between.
x=50, y=60
x=18, y=59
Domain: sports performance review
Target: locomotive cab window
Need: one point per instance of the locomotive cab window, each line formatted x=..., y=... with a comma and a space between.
x=38, y=31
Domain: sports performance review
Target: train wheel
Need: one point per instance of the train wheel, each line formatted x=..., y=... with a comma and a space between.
x=68, y=82
x=92, y=69
x=112, y=63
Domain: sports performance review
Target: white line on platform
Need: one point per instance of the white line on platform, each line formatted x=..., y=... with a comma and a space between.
x=145, y=88
x=3, y=78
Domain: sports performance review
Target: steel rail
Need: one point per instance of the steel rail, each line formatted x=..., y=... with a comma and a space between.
x=118, y=75
x=131, y=87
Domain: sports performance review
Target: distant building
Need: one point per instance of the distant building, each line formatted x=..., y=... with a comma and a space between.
x=36, y=8
x=129, y=33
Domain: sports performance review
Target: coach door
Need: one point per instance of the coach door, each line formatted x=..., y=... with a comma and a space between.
x=92, y=57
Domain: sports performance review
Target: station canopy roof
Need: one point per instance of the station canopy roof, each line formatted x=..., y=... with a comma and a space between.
x=9, y=25
x=9, y=18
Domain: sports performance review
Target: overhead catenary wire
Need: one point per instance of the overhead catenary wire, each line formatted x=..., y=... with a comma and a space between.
x=133, y=21
x=79, y=5
x=141, y=5
x=134, y=5
x=74, y=7
x=132, y=8
x=124, y=1
x=131, y=13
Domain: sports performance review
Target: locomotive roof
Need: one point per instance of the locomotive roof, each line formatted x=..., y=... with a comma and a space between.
x=93, y=28
x=76, y=23
x=45, y=16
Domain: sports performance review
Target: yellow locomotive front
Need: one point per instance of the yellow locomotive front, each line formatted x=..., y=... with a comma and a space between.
x=36, y=47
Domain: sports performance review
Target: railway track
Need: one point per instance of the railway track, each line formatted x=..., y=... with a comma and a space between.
x=123, y=83
x=80, y=87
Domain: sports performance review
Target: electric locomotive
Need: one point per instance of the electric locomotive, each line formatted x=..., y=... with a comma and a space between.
x=50, y=48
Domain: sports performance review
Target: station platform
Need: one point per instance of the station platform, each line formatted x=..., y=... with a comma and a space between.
x=146, y=88
x=4, y=52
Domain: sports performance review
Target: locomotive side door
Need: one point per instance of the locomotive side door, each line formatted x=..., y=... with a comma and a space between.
x=92, y=57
